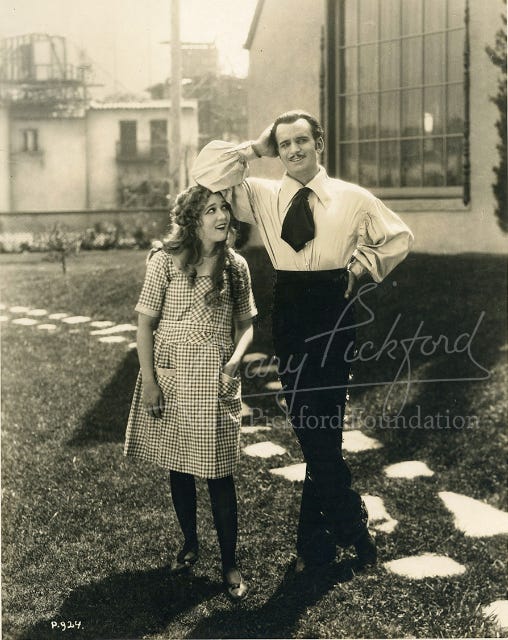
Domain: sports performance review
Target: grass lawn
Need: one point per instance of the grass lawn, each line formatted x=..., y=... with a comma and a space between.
x=87, y=535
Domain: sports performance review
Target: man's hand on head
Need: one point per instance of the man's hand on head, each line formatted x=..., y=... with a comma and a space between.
x=262, y=146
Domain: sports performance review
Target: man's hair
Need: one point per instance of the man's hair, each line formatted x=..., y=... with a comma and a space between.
x=292, y=116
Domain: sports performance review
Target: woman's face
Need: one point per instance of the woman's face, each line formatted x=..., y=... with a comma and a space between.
x=215, y=220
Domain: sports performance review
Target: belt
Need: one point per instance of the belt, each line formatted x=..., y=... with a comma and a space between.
x=304, y=277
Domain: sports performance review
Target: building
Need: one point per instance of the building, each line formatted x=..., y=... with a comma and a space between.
x=128, y=152
x=222, y=99
x=62, y=152
x=114, y=156
x=404, y=88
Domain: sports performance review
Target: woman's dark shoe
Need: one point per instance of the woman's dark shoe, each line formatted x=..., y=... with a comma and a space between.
x=185, y=559
x=366, y=551
x=235, y=586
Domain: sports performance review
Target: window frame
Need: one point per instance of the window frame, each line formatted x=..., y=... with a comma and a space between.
x=335, y=69
x=30, y=142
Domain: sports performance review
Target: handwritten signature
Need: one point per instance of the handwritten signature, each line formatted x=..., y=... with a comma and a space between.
x=419, y=343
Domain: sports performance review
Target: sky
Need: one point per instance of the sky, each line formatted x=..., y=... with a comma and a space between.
x=123, y=37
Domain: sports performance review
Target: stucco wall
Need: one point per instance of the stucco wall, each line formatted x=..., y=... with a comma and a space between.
x=284, y=66
x=4, y=160
x=103, y=135
x=473, y=228
x=53, y=178
x=75, y=166
x=284, y=74
x=81, y=220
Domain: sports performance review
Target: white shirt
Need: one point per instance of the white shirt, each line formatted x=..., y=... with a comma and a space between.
x=349, y=221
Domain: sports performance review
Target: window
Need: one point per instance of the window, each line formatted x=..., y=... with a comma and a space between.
x=159, y=139
x=400, y=89
x=30, y=140
x=128, y=138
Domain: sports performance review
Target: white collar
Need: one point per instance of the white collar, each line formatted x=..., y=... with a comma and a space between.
x=289, y=186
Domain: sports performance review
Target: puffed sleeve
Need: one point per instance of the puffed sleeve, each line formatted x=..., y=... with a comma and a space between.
x=154, y=287
x=244, y=306
x=222, y=166
x=384, y=240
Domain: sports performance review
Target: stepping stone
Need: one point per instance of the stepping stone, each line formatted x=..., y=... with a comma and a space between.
x=37, y=312
x=504, y=347
x=263, y=369
x=274, y=386
x=475, y=518
x=409, y=469
x=499, y=611
x=46, y=327
x=132, y=345
x=4, y=318
x=19, y=309
x=427, y=565
x=264, y=450
x=118, y=328
x=293, y=472
x=2, y=306
x=355, y=441
x=101, y=324
x=246, y=410
x=254, y=429
x=25, y=321
x=58, y=316
x=76, y=319
x=252, y=357
x=112, y=339
x=379, y=517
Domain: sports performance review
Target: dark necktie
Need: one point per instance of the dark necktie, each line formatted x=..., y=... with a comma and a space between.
x=298, y=226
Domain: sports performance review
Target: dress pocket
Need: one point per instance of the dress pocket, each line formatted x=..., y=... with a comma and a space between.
x=167, y=380
x=229, y=387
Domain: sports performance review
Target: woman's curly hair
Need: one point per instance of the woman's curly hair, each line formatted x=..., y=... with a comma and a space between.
x=185, y=220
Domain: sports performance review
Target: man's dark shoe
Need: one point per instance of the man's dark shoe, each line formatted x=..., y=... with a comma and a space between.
x=300, y=565
x=366, y=551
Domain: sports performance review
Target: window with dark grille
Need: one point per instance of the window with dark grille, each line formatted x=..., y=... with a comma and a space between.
x=30, y=140
x=159, y=138
x=400, y=94
x=128, y=138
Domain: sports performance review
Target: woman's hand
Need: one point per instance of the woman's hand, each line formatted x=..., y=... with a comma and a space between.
x=153, y=399
x=243, y=338
x=231, y=367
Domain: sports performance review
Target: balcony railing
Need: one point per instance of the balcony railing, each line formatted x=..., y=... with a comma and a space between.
x=141, y=151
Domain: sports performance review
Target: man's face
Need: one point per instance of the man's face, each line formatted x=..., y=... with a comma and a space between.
x=298, y=150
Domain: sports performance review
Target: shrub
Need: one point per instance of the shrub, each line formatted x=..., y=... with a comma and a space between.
x=497, y=55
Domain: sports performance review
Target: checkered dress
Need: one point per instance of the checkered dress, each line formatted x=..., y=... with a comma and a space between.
x=199, y=430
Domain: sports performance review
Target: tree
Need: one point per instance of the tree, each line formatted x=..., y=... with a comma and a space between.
x=497, y=55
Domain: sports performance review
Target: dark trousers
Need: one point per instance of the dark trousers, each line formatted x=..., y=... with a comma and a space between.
x=314, y=375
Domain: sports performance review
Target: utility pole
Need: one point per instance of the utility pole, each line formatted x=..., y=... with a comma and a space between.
x=176, y=99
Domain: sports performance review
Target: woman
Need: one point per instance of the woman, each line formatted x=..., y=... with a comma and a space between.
x=186, y=410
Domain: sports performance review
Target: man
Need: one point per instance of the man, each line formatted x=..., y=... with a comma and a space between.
x=322, y=234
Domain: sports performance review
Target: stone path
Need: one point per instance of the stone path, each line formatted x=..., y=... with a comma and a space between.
x=427, y=565
x=105, y=331
x=499, y=612
x=473, y=517
x=408, y=469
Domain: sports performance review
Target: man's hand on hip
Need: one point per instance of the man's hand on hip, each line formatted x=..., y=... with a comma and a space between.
x=351, y=284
